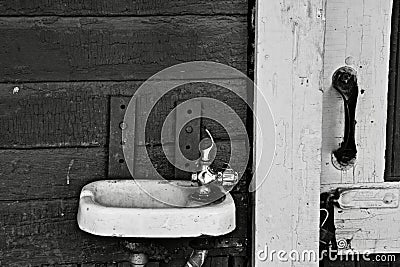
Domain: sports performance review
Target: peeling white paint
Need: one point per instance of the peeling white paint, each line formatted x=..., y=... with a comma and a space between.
x=357, y=34
x=289, y=67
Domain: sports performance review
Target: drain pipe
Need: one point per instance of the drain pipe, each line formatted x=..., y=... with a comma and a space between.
x=200, y=245
x=197, y=258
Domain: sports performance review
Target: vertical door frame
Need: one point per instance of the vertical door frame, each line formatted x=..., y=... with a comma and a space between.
x=289, y=74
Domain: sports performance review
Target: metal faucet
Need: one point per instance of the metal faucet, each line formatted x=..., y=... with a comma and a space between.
x=206, y=176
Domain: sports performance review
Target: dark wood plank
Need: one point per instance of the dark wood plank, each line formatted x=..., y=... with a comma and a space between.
x=46, y=232
x=76, y=114
x=57, y=120
x=45, y=173
x=55, y=173
x=121, y=7
x=61, y=49
x=19, y=89
x=120, y=88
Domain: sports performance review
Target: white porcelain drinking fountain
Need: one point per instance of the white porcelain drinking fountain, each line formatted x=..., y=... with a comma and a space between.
x=153, y=209
x=157, y=208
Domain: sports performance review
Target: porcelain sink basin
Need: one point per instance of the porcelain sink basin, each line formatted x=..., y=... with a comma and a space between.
x=151, y=208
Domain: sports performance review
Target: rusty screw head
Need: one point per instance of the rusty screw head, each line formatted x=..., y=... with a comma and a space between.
x=123, y=125
x=189, y=129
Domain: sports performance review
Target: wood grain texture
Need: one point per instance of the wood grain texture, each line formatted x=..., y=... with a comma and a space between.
x=352, y=39
x=57, y=120
x=58, y=65
x=116, y=88
x=121, y=7
x=61, y=49
x=76, y=114
x=357, y=35
x=45, y=231
x=289, y=64
x=49, y=173
x=61, y=173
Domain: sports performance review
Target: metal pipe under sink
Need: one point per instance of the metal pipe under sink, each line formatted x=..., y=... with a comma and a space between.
x=197, y=258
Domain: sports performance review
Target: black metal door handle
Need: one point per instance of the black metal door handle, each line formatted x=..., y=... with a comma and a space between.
x=344, y=80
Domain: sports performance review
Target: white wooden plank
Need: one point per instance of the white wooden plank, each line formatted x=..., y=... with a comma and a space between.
x=289, y=62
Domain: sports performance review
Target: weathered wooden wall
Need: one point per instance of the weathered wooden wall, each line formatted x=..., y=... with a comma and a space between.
x=60, y=62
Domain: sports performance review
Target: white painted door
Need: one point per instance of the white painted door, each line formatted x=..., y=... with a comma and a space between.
x=299, y=45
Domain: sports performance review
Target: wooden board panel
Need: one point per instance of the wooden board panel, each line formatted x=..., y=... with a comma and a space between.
x=46, y=228
x=56, y=120
x=76, y=113
x=61, y=173
x=20, y=89
x=39, y=232
x=117, y=88
x=121, y=7
x=289, y=67
x=357, y=35
x=118, y=48
x=45, y=231
x=49, y=173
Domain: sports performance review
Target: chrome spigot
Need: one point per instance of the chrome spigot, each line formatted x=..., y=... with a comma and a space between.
x=206, y=175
